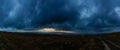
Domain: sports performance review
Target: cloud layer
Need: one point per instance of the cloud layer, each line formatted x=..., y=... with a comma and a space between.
x=77, y=15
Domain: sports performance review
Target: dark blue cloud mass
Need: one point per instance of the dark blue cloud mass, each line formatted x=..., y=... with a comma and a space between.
x=76, y=15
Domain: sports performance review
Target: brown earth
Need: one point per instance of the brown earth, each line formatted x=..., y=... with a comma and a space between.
x=18, y=41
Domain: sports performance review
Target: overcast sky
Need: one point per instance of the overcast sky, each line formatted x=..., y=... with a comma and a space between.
x=96, y=15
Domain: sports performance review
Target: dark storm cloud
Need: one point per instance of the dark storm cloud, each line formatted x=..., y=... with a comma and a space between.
x=95, y=15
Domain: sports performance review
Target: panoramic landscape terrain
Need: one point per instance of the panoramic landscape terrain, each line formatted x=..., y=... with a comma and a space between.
x=59, y=25
x=25, y=41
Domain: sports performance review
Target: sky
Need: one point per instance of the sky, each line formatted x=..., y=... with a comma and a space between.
x=76, y=15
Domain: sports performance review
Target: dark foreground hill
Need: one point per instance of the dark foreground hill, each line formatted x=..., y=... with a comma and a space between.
x=18, y=41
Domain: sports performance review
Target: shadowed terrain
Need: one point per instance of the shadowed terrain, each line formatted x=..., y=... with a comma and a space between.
x=18, y=41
